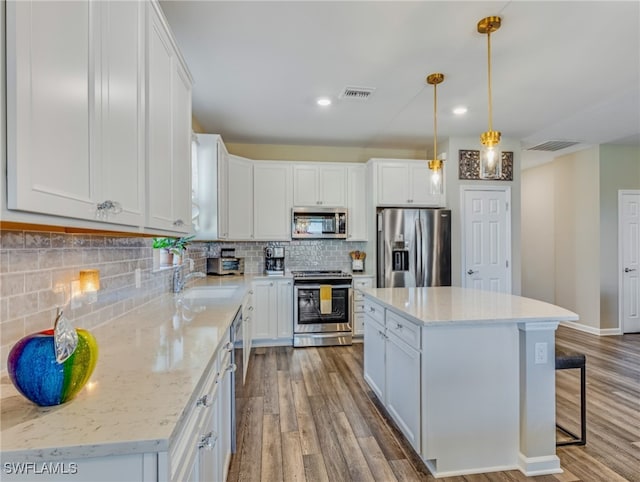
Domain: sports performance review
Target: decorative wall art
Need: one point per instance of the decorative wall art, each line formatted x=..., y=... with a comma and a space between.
x=469, y=165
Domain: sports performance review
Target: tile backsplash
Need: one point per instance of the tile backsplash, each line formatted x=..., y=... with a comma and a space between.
x=37, y=268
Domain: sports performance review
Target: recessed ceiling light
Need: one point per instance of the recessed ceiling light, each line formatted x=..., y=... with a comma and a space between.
x=323, y=101
x=460, y=110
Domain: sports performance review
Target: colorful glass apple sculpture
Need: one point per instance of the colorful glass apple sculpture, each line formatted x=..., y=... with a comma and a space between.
x=50, y=367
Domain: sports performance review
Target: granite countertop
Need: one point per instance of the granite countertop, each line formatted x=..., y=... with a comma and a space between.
x=150, y=362
x=454, y=305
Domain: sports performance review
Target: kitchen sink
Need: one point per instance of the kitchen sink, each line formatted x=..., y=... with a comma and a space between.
x=209, y=292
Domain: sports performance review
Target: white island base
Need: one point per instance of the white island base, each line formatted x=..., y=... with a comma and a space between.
x=461, y=378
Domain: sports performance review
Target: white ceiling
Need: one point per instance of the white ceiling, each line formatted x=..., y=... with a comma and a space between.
x=561, y=70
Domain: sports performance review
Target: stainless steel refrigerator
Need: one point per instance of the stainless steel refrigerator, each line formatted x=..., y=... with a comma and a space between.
x=414, y=247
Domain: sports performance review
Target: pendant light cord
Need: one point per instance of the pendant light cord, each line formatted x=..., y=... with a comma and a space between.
x=435, y=123
x=489, y=79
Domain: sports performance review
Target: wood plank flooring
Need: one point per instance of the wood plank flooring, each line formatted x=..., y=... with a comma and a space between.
x=308, y=415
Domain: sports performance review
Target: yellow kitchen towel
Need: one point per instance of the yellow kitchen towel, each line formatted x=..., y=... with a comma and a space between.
x=325, y=299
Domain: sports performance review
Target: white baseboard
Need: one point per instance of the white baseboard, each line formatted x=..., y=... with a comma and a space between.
x=591, y=329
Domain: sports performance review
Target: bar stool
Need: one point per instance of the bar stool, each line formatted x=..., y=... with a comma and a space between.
x=565, y=361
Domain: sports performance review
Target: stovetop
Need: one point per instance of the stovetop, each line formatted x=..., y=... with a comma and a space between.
x=320, y=274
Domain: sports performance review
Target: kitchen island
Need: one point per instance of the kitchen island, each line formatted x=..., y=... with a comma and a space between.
x=467, y=375
x=162, y=373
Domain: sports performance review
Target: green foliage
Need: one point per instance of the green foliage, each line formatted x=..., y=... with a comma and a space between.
x=178, y=245
x=162, y=243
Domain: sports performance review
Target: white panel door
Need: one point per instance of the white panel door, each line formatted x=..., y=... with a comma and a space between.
x=240, y=195
x=629, y=227
x=272, y=194
x=486, y=239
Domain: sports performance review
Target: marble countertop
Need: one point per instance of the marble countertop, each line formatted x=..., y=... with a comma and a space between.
x=150, y=362
x=454, y=305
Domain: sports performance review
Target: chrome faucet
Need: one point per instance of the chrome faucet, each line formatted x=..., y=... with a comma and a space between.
x=180, y=280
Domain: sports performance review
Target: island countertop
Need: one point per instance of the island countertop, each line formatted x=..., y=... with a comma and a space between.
x=454, y=305
x=150, y=362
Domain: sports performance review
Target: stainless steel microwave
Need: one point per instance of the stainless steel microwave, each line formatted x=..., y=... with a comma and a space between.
x=319, y=223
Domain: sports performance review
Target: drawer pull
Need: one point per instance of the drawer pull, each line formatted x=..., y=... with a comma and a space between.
x=399, y=326
x=203, y=401
x=228, y=346
x=208, y=441
x=232, y=367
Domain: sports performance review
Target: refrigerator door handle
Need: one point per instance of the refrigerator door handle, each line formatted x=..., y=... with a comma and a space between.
x=419, y=254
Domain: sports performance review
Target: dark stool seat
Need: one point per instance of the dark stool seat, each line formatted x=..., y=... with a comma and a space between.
x=565, y=361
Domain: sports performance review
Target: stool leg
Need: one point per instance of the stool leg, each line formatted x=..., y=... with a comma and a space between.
x=583, y=406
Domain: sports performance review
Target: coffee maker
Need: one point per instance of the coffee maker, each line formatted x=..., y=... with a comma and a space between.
x=274, y=260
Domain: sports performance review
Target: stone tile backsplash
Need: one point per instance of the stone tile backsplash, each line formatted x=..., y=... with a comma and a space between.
x=37, y=268
x=299, y=254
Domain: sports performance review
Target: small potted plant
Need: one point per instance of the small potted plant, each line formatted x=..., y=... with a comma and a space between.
x=178, y=247
x=161, y=251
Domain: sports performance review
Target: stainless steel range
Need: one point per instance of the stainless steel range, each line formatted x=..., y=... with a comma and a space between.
x=321, y=315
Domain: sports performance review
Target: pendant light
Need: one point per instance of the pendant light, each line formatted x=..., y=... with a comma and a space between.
x=435, y=164
x=490, y=155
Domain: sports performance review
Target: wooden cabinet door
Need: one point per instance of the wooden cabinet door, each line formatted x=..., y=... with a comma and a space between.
x=160, y=167
x=374, y=356
x=332, y=186
x=403, y=383
x=168, y=132
x=285, y=308
x=265, y=311
x=272, y=194
x=305, y=185
x=392, y=184
x=240, y=195
x=356, y=204
x=121, y=126
x=51, y=101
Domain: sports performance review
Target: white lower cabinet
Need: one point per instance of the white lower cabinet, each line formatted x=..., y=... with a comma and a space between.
x=247, y=332
x=357, y=308
x=273, y=311
x=392, y=367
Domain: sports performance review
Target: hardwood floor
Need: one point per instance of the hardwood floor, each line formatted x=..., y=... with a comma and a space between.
x=308, y=415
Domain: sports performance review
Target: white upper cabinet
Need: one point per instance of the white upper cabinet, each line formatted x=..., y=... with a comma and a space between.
x=98, y=114
x=75, y=79
x=356, y=203
x=272, y=195
x=319, y=185
x=240, y=198
x=168, y=131
x=405, y=183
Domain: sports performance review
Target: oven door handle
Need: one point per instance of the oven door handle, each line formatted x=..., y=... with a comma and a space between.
x=317, y=287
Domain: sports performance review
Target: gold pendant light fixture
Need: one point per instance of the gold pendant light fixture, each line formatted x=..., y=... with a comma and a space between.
x=435, y=164
x=490, y=155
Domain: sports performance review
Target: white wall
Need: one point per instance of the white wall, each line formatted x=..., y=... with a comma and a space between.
x=573, y=260
x=619, y=169
x=538, y=233
x=577, y=228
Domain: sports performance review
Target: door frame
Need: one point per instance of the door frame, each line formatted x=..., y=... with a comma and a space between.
x=621, y=193
x=463, y=261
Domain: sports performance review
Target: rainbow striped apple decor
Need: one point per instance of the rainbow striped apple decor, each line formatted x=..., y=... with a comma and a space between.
x=35, y=372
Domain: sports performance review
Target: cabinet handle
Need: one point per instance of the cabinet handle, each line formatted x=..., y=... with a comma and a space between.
x=228, y=346
x=372, y=309
x=107, y=207
x=203, y=401
x=232, y=367
x=399, y=326
x=471, y=271
x=251, y=308
x=629, y=270
x=178, y=222
x=250, y=292
x=208, y=441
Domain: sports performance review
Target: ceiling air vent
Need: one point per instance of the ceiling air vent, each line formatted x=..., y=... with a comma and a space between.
x=553, y=146
x=356, y=93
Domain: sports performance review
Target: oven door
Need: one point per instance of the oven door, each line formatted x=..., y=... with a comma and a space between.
x=307, y=315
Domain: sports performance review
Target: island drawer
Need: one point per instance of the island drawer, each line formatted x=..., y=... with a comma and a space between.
x=404, y=329
x=374, y=310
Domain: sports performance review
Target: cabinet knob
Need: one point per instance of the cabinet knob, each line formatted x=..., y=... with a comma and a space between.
x=399, y=326
x=178, y=222
x=208, y=441
x=107, y=207
x=203, y=401
x=232, y=367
